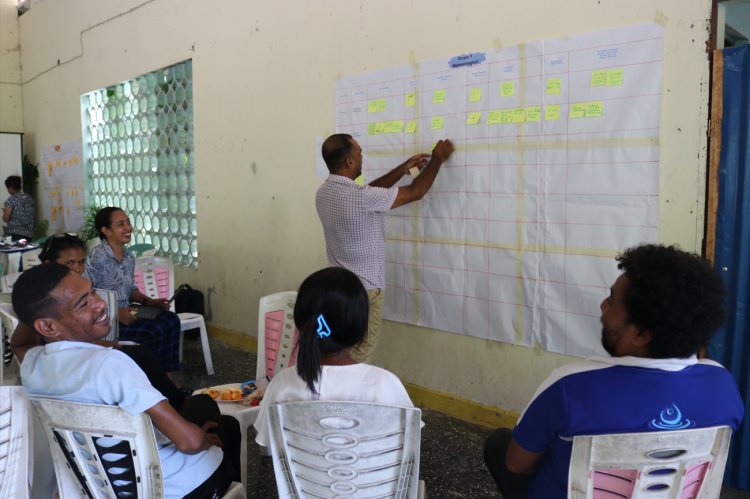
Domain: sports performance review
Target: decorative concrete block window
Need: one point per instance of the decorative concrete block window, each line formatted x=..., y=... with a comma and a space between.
x=138, y=155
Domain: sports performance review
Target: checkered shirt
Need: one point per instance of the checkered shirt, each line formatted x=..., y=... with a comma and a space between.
x=106, y=272
x=353, y=219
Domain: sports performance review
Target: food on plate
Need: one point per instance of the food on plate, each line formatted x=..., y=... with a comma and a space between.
x=224, y=395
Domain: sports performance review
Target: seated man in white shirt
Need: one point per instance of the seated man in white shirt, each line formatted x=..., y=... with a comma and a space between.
x=64, y=308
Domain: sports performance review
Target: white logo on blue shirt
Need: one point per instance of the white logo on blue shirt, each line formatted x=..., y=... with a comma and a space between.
x=670, y=418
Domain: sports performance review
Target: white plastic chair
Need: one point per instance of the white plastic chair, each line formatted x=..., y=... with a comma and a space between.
x=154, y=277
x=277, y=336
x=8, y=280
x=345, y=449
x=114, y=324
x=31, y=258
x=102, y=451
x=653, y=465
x=8, y=323
x=16, y=442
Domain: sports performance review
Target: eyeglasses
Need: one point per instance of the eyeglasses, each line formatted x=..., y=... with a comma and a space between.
x=53, y=237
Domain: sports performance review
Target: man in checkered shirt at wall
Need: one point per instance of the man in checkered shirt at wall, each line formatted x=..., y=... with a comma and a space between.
x=353, y=217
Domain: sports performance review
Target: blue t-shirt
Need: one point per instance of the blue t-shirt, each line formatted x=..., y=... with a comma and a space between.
x=620, y=395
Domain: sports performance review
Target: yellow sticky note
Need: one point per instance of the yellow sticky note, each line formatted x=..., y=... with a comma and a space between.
x=475, y=94
x=518, y=115
x=533, y=113
x=506, y=116
x=410, y=99
x=594, y=109
x=614, y=77
x=379, y=128
x=493, y=117
x=577, y=110
x=438, y=96
x=552, y=113
x=507, y=88
x=360, y=180
x=395, y=126
x=376, y=106
x=598, y=77
x=553, y=86
x=474, y=118
x=371, y=129
x=437, y=122
x=411, y=126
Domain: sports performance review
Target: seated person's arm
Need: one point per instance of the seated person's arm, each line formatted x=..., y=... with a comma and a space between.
x=24, y=339
x=186, y=436
x=519, y=460
x=6, y=214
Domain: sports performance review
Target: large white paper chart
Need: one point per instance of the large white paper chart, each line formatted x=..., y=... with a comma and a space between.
x=555, y=172
x=61, y=175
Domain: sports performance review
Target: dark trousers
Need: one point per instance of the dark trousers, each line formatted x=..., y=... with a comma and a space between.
x=511, y=485
x=200, y=409
x=143, y=357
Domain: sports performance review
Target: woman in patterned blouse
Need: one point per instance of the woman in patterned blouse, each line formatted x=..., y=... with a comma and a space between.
x=111, y=266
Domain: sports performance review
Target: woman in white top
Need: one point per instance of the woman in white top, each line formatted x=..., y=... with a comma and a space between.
x=331, y=315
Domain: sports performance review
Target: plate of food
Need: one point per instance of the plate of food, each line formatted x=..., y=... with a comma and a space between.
x=229, y=393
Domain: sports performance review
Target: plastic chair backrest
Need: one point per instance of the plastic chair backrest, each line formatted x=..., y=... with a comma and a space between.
x=114, y=324
x=277, y=336
x=16, y=465
x=655, y=465
x=154, y=277
x=345, y=449
x=30, y=258
x=8, y=280
x=101, y=450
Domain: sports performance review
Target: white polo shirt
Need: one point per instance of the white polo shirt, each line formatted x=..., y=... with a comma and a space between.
x=85, y=372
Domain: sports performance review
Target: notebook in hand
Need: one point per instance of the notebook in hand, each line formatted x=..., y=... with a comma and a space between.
x=149, y=312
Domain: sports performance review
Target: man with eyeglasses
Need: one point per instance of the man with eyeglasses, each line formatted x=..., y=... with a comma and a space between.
x=353, y=217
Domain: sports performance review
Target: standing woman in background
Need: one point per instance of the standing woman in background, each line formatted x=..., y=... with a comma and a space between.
x=111, y=266
x=18, y=211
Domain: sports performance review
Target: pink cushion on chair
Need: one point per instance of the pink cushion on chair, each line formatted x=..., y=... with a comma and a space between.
x=694, y=479
x=612, y=483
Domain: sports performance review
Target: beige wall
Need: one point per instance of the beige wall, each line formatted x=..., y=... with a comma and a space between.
x=11, y=103
x=264, y=76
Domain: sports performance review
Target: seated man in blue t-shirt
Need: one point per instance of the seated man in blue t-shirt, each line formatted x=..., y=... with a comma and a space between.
x=659, y=313
x=63, y=307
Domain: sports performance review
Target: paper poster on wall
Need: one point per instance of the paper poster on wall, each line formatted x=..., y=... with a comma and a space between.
x=555, y=172
x=61, y=180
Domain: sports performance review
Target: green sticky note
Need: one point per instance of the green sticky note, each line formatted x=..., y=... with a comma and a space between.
x=438, y=96
x=614, y=77
x=474, y=118
x=410, y=99
x=411, y=126
x=493, y=117
x=437, y=122
x=395, y=126
x=507, y=88
x=594, y=109
x=533, y=113
x=552, y=112
x=379, y=127
x=598, y=77
x=475, y=94
x=577, y=110
x=360, y=180
x=553, y=86
x=518, y=115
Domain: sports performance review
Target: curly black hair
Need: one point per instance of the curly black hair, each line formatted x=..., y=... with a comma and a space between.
x=674, y=295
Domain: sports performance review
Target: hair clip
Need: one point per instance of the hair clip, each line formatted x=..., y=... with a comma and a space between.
x=323, y=330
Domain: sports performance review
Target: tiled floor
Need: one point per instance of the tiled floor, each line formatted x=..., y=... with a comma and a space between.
x=451, y=456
